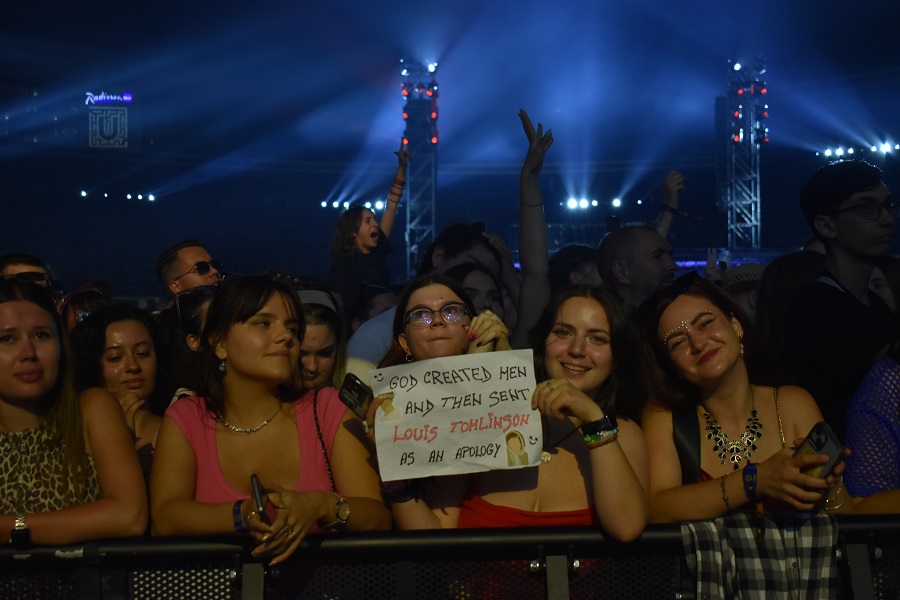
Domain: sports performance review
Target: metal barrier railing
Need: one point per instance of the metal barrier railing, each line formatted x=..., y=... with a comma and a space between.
x=520, y=564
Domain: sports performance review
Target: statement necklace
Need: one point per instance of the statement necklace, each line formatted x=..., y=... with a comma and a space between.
x=735, y=450
x=248, y=431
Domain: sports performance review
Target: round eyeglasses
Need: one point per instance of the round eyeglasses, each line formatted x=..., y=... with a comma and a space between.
x=422, y=316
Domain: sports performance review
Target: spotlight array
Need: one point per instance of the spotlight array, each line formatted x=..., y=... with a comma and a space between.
x=841, y=151
x=584, y=203
x=374, y=206
x=142, y=197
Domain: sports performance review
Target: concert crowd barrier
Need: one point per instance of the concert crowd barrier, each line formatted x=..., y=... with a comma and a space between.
x=517, y=564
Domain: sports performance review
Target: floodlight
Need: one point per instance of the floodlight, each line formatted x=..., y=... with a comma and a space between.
x=885, y=148
x=324, y=204
x=368, y=205
x=828, y=152
x=346, y=205
x=379, y=205
x=583, y=203
x=140, y=196
x=83, y=194
x=839, y=152
x=572, y=203
x=874, y=148
x=594, y=203
x=640, y=201
x=737, y=66
x=151, y=198
x=128, y=196
x=849, y=150
x=616, y=202
x=335, y=204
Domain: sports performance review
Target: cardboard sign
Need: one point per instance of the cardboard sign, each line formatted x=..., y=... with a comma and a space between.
x=459, y=414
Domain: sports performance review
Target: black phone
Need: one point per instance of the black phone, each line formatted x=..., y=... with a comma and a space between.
x=257, y=499
x=355, y=394
x=822, y=440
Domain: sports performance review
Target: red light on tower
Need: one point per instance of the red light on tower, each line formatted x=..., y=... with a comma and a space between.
x=405, y=115
x=405, y=141
x=740, y=92
x=405, y=92
x=434, y=139
x=434, y=114
x=736, y=138
x=763, y=91
x=737, y=114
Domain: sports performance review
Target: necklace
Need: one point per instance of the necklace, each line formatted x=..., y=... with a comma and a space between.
x=248, y=431
x=735, y=450
x=546, y=455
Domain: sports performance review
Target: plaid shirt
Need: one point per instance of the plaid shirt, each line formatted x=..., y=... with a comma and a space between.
x=794, y=559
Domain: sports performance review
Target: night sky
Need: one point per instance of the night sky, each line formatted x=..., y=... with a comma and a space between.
x=246, y=116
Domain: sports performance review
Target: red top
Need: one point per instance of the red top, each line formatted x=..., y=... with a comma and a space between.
x=476, y=512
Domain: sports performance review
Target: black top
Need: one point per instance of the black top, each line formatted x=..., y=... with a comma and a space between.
x=348, y=273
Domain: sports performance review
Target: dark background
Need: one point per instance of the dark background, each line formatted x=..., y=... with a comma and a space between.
x=246, y=116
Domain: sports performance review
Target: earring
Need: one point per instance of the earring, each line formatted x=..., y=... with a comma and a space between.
x=409, y=357
x=222, y=367
x=742, y=349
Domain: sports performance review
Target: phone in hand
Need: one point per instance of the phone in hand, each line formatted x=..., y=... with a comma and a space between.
x=355, y=394
x=257, y=499
x=822, y=440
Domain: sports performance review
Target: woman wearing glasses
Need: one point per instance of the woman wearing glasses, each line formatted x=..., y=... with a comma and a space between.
x=250, y=420
x=593, y=469
x=68, y=471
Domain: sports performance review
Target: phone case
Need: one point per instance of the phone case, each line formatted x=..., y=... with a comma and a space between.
x=355, y=394
x=822, y=440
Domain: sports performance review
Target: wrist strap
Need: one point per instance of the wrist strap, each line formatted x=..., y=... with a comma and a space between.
x=238, y=517
x=750, y=481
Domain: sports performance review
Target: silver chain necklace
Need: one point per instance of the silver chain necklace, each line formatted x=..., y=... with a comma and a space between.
x=735, y=450
x=248, y=430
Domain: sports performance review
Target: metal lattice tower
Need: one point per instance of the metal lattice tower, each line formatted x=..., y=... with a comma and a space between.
x=420, y=113
x=740, y=115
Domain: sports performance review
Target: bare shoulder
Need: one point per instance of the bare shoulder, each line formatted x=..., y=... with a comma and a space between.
x=630, y=430
x=799, y=411
x=98, y=404
x=658, y=420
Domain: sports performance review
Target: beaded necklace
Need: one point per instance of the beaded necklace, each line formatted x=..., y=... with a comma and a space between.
x=738, y=449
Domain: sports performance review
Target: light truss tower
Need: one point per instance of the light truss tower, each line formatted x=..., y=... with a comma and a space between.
x=420, y=112
x=740, y=127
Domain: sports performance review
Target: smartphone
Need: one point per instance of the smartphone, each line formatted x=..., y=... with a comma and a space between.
x=355, y=394
x=822, y=440
x=257, y=499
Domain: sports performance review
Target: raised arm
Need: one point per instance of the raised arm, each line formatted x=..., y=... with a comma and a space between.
x=393, y=201
x=122, y=509
x=672, y=188
x=533, y=253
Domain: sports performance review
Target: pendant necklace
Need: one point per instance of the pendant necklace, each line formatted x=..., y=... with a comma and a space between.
x=546, y=455
x=738, y=449
x=249, y=430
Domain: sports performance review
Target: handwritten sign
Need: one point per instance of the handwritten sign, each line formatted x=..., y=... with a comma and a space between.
x=459, y=414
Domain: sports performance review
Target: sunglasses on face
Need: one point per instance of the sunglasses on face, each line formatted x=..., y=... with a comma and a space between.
x=202, y=268
x=32, y=276
x=452, y=312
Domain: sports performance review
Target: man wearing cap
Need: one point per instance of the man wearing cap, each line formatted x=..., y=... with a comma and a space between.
x=742, y=284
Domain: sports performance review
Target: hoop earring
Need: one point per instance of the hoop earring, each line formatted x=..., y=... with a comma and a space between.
x=222, y=367
x=409, y=357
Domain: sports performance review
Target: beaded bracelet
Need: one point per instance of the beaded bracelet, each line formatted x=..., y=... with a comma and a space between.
x=601, y=438
x=238, y=517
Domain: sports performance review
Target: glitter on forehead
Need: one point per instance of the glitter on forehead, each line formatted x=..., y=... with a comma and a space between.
x=685, y=323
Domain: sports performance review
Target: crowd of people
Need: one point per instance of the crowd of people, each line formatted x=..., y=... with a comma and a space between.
x=662, y=399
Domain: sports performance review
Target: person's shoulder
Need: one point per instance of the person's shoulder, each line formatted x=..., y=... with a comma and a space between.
x=96, y=401
x=795, y=400
x=655, y=416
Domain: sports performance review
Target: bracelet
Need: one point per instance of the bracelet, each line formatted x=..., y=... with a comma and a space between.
x=238, y=517
x=601, y=438
x=750, y=481
x=607, y=423
x=399, y=183
x=725, y=495
x=829, y=502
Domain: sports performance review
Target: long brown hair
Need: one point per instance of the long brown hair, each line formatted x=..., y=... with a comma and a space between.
x=60, y=407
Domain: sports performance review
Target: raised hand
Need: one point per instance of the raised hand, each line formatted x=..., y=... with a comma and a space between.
x=558, y=399
x=487, y=333
x=538, y=144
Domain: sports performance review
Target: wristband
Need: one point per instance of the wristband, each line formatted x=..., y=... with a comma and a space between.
x=238, y=518
x=725, y=495
x=750, y=481
x=597, y=440
x=607, y=423
x=400, y=491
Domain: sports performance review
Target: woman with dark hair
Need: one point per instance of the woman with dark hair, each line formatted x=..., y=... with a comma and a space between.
x=361, y=245
x=593, y=469
x=116, y=349
x=181, y=325
x=316, y=472
x=77, y=305
x=716, y=374
x=69, y=471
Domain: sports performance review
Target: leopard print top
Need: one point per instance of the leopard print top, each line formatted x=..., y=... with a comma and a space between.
x=33, y=477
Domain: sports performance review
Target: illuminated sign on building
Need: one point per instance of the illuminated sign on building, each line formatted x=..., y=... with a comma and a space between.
x=108, y=127
x=103, y=97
